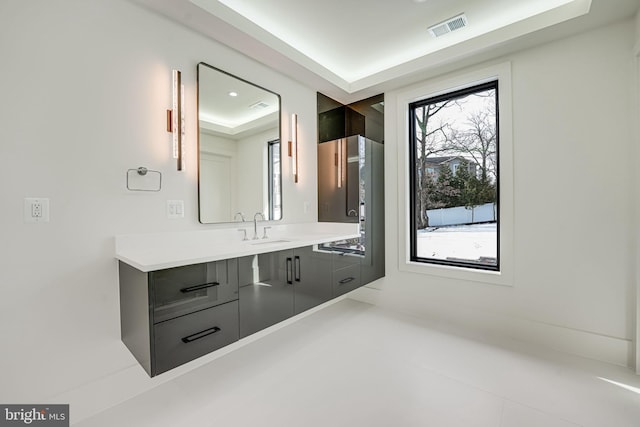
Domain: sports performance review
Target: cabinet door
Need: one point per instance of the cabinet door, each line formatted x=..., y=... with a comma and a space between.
x=332, y=182
x=266, y=290
x=312, y=278
x=185, y=338
x=183, y=290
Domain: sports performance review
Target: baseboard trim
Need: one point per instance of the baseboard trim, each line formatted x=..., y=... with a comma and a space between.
x=616, y=351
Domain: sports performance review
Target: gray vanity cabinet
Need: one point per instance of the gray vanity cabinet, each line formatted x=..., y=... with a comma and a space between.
x=277, y=285
x=346, y=273
x=266, y=290
x=312, y=278
x=171, y=316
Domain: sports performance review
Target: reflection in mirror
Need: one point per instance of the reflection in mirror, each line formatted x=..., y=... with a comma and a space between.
x=239, y=168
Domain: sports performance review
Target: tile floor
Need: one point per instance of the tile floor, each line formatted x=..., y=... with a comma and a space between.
x=357, y=365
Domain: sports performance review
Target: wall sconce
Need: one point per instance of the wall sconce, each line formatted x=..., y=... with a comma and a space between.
x=293, y=147
x=175, y=116
x=340, y=163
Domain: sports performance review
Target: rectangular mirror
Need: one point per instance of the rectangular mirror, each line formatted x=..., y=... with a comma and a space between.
x=239, y=149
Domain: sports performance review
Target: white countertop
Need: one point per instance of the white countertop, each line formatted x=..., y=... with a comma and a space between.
x=149, y=252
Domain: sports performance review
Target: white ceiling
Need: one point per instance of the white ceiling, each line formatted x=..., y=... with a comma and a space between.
x=232, y=107
x=351, y=49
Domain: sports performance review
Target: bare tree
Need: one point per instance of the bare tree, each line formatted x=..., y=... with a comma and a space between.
x=430, y=140
x=477, y=140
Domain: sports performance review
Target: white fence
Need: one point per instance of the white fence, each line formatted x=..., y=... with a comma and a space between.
x=462, y=215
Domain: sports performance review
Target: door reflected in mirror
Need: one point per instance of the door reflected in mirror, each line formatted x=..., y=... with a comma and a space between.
x=239, y=149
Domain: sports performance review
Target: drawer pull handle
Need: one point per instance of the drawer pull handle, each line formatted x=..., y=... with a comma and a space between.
x=200, y=334
x=347, y=280
x=296, y=268
x=199, y=287
x=289, y=269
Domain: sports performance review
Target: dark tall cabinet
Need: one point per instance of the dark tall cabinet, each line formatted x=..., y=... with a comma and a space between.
x=351, y=189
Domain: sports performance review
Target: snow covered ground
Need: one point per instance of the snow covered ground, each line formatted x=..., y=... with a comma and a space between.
x=467, y=242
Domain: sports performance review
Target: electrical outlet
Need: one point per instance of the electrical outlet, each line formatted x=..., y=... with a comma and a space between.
x=36, y=209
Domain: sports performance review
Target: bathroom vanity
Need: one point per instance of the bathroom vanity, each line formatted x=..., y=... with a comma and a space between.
x=183, y=295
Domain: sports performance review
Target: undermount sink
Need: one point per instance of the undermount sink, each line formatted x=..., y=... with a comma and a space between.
x=265, y=242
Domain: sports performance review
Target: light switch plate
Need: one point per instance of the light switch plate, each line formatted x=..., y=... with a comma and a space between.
x=175, y=209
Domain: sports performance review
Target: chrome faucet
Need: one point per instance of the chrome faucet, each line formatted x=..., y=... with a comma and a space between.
x=255, y=224
x=241, y=216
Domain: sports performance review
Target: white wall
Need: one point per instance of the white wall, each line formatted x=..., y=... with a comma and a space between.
x=573, y=281
x=85, y=85
x=636, y=113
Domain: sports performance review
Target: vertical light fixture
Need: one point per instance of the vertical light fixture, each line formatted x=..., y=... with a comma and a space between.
x=293, y=146
x=340, y=163
x=175, y=116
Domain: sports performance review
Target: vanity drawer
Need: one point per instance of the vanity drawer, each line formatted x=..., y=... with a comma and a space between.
x=346, y=279
x=342, y=260
x=186, y=338
x=183, y=290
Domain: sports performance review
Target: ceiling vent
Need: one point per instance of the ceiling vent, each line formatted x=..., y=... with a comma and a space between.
x=449, y=25
x=259, y=105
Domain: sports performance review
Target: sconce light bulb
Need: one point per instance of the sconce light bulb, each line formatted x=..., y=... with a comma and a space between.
x=177, y=116
x=294, y=146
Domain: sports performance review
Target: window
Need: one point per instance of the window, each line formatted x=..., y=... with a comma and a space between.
x=454, y=212
x=275, y=194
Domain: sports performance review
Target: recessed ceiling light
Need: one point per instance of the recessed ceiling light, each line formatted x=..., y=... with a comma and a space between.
x=233, y=93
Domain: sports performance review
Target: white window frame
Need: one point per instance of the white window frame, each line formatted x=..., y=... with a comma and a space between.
x=432, y=88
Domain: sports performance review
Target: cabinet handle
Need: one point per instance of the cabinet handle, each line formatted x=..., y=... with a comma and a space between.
x=200, y=334
x=347, y=280
x=199, y=287
x=296, y=268
x=289, y=271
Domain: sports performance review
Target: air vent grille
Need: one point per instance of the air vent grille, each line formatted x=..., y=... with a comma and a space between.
x=259, y=105
x=449, y=25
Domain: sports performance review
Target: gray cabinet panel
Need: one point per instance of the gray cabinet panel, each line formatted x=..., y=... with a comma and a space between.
x=135, y=314
x=312, y=278
x=266, y=290
x=182, y=290
x=278, y=285
x=345, y=259
x=332, y=182
x=373, y=222
x=351, y=188
x=346, y=279
x=185, y=338
x=159, y=308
